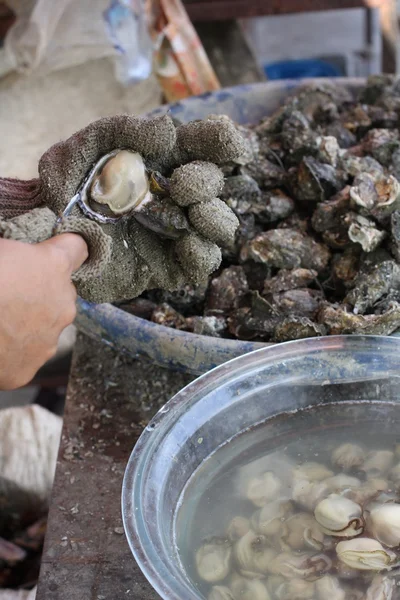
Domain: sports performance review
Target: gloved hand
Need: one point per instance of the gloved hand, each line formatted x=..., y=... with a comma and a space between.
x=150, y=214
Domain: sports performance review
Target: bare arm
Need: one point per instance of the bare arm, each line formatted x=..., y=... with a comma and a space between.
x=37, y=301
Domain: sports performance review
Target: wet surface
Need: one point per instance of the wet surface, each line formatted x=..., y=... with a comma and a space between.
x=110, y=400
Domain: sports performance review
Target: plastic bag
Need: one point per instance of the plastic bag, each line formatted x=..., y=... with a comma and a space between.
x=50, y=35
x=127, y=25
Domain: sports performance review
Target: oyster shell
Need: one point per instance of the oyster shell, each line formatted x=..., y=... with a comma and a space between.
x=365, y=554
x=226, y=289
x=327, y=214
x=286, y=249
x=339, y=321
x=167, y=316
x=316, y=181
x=340, y=517
x=213, y=560
x=364, y=232
x=117, y=184
x=348, y=456
x=381, y=143
x=289, y=279
x=212, y=325
x=302, y=302
x=371, y=287
x=376, y=196
x=297, y=328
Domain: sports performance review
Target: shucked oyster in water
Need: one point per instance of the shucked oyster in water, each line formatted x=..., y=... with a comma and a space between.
x=316, y=193
x=323, y=533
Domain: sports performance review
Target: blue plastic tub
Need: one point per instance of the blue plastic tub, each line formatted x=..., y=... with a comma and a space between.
x=167, y=347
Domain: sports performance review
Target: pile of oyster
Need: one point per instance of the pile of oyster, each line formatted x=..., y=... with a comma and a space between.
x=318, y=247
x=336, y=536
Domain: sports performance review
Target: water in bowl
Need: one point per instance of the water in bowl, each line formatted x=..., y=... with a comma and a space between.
x=280, y=469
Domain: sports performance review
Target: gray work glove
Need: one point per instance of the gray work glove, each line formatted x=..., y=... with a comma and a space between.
x=162, y=224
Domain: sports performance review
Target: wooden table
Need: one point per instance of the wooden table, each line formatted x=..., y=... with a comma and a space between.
x=110, y=399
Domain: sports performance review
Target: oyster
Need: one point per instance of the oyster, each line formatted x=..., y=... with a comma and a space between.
x=237, y=528
x=329, y=587
x=348, y=456
x=244, y=589
x=213, y=560
x=301, y=531
x=295, y=589
x=312, y=471
x=116, y=185
x=378, y=463
x=384, y=523
x=253, y=555
x=261, y=490
x=381, y=588
x=220, y=592
x=268, y=520
x=286, y=249
x=339, y=516
x=365, y=554
x=309, y=493
x=342, y=482
x=300, y=565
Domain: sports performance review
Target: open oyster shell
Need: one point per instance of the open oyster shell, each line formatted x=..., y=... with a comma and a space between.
x=117, y=185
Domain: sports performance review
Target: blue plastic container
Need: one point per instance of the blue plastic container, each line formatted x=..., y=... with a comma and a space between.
x=167, y=347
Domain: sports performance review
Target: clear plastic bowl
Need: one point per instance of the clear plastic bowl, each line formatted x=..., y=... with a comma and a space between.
x=211, y=410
